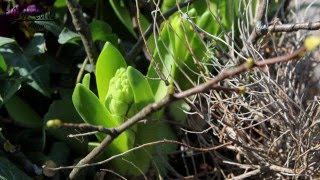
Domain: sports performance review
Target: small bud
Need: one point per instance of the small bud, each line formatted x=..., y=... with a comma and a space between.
x=312, y=42
x=171, y=89
x=250, y=63
x=54, y=123
x=242, y=90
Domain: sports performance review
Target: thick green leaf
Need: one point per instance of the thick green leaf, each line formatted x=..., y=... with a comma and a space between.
x=93, y=112
x=8, y=171
x=109, y=61
x=68, y=36
x=86, y=80
x=141, y=89
x=22, y=113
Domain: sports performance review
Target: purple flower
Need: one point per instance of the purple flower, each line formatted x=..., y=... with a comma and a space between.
x=18, y=11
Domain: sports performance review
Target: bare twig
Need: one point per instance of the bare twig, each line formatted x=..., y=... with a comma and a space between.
x=246, y=175
x=89, y=127
x=81, y=26
x=294, y=27
x=143, y=146
x=151, y=108
x=259, y=21
x=81, y=71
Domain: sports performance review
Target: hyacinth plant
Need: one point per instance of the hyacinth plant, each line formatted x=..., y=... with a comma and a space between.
x=122, y=92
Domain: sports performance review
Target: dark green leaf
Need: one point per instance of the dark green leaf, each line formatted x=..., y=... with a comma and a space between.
x=65, y=111
x=8, y=171
x=22, y=113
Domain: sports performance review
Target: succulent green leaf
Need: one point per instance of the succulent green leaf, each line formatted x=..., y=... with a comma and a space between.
x=86, y=80
x=109, y=61
x=141, y=89
x=93, y=112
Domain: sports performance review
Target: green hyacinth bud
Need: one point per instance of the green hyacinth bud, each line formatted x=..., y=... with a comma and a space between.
x=120, y=96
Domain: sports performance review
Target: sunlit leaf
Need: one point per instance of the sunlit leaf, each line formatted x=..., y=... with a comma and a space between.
x=93, y=112
x=141, y=89
x=109, y=61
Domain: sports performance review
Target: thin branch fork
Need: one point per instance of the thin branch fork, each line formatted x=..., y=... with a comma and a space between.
x=151, y=108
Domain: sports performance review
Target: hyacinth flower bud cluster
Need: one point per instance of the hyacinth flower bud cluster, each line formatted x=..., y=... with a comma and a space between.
x=120, y=95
